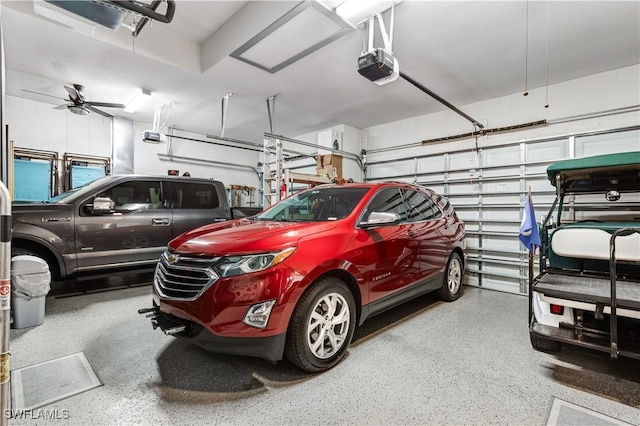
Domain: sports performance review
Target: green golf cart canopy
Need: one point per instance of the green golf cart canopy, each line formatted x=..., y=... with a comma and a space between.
x=602, y=172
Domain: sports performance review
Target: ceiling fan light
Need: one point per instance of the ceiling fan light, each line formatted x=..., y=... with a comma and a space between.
x=138, y=101
x=78, y=109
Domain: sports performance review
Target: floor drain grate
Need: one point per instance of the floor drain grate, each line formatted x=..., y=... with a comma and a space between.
x=563, y=413
x=44, y=383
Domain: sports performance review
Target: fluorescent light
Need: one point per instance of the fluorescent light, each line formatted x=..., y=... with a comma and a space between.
x=305, y=28
x=138, y=101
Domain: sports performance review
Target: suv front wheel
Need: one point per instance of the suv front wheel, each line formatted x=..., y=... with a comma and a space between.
x=321, y=326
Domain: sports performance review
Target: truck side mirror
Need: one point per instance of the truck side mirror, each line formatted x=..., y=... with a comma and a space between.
x=102, y=205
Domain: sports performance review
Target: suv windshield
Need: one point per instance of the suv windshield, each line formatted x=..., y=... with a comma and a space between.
x=316, y=204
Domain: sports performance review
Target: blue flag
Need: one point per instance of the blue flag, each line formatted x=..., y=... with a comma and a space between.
x=529, y=234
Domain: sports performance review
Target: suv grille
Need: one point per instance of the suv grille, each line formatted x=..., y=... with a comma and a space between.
x=182, y=277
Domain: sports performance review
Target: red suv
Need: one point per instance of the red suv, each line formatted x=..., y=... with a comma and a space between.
x=296, y=279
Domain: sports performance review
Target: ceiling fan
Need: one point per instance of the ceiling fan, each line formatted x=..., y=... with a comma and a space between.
x=79, y=105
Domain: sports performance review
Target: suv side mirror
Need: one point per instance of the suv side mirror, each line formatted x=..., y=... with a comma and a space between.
x=102, y=205
x=380, y=219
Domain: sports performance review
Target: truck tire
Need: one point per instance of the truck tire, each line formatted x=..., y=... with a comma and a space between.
x=544, y=345
x=53, y=268
x=321, y=326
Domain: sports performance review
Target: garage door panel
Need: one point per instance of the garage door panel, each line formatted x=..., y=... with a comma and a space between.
x=548, y=151
x=504, y=156
x=487, y=188
x=587, y=146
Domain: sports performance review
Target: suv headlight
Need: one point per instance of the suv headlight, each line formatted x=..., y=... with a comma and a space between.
x=237, y=265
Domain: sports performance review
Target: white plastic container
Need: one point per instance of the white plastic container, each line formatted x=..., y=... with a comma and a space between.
x=30, y=283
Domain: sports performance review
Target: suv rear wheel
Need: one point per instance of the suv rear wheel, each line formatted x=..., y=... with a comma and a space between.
x=452, y=282
x=321, y=326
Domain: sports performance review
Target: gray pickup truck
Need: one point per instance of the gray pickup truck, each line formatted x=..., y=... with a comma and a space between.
x=117, y=222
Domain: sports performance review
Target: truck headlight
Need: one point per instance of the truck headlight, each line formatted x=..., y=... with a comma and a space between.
x=237, y=265
x=258, y=314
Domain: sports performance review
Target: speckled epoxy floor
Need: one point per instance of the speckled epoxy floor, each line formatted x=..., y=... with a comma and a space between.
x=427, y=362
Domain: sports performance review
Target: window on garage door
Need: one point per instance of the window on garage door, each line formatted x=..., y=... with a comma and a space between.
x=82, y=174
x=32, y=180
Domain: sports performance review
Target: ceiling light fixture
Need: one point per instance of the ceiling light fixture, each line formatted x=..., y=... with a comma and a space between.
x=78, y=109
x=305, y=28
x=141, y=98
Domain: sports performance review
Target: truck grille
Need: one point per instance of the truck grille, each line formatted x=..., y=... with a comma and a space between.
x=182, y=277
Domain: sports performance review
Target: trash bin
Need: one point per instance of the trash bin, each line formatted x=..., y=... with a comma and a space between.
x=30, y=283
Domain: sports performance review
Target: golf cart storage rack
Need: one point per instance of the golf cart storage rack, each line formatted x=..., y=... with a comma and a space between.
x=590, y=270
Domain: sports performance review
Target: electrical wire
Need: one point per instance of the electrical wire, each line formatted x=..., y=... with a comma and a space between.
x=546, y=105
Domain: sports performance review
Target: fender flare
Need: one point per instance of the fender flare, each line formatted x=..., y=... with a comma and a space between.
x=42, y=237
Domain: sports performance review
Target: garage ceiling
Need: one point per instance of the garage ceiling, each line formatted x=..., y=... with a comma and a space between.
x=465, y=51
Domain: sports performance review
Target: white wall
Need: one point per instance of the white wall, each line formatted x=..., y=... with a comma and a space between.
x=351, y=142
x=599, y=92
x=36, y=125
x=236, y=171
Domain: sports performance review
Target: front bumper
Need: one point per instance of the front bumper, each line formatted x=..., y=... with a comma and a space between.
x=270, y=348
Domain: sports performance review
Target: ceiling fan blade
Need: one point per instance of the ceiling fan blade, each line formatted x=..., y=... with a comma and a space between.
x=60, y=107
x=104, y=104
x=43, y=94
x=73, y=93
x=97, y=111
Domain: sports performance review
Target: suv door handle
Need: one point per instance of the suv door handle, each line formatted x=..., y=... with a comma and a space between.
x=160, y=221
x=412, y=233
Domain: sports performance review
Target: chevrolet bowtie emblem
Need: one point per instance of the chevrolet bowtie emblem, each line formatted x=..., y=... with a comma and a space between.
x=173, y=259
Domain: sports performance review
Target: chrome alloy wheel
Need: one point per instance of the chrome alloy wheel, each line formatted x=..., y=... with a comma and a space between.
x=454, y=275
x=328, y=325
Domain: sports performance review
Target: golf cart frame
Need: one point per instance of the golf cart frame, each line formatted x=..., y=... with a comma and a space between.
x=587, y=292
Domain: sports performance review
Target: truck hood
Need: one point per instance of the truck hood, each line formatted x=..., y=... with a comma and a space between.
x=245, y=236
x=38, y=205
x=24, y=211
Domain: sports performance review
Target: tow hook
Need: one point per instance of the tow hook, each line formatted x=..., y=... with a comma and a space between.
x=158, y=320
x=173, y=330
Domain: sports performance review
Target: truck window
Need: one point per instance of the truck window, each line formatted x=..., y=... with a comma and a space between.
x=193, y=195
x=135, y=195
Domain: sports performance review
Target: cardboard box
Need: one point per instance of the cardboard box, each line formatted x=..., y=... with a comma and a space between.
x=327, y=163
x=330, y=159
x=329, y=170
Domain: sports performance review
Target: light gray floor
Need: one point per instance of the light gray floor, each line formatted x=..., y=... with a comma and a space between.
x=467, y=362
